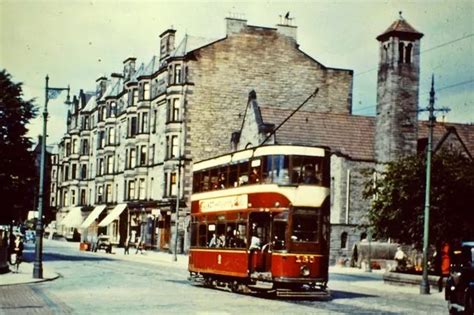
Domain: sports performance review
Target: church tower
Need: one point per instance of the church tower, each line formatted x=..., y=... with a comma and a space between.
x=397, y=91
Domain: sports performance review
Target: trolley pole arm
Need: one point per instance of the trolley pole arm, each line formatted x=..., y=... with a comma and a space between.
x=291, y=115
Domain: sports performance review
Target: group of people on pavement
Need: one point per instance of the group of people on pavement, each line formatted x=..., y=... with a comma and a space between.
x=442, y=261
x=14, y=245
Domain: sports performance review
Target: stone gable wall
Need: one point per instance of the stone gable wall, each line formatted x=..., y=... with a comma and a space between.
x=260, y=59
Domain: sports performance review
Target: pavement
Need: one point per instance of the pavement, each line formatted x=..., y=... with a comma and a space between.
x=25, y=275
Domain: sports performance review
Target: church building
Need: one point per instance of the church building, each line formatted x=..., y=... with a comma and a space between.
x=358, y=143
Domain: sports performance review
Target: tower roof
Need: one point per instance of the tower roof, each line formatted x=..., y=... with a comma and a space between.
x=400, y=28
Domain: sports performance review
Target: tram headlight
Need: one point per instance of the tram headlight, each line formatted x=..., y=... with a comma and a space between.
x=304, y=271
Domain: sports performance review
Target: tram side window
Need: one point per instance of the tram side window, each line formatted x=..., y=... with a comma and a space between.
x=222, y=178
x=279, y=230
x=204, y=181
x=194, y=236
x=240, y=236
x=197, y=182
x=243, y=173
x=234, y=175
x=214, y=179
x=211, y=235
x=229, y=234
x=202, y=235
x=306, y=170
x=305, y=226
x=255, y=171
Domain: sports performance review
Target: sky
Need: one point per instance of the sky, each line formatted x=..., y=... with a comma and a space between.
x=75, y=42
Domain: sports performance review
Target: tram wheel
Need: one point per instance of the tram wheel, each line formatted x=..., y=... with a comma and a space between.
x=234, y=287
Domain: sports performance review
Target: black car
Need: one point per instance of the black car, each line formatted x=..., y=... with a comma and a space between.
x=103, y=243
x=460, y=283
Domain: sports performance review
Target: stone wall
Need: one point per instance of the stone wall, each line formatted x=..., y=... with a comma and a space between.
x=348, y=207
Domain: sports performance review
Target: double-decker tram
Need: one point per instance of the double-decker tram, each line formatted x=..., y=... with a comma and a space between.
x=260, y=221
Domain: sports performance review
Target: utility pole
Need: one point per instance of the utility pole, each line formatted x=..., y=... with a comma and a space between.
x=50, y=93
x=425, y=286
x=175, y=257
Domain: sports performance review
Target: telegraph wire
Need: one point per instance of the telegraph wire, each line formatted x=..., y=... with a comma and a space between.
x=437, y=90
x=424, y=51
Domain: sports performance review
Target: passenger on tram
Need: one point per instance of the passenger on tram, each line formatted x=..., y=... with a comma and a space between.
x=254, y=176
x=213, y=241
x=222, y=181
x=309, y=176
x=221, y=240
x=238, y=241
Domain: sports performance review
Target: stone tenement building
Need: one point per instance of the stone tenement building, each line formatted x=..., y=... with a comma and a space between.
x=119, y=158
x=359, y=143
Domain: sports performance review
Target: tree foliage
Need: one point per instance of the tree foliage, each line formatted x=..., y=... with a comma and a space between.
x=398, y=198
x=17, y=169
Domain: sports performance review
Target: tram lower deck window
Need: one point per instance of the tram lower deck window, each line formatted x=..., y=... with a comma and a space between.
x=305, y=227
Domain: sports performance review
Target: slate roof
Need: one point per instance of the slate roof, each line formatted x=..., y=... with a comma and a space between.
x=465, y=132
x=349, y=135
x=400, y=26
x=190, y=43
x=91, y=104
x=152, y=67
x=137, y=73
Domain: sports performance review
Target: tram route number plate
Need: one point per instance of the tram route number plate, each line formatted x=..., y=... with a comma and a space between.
x=305, y=259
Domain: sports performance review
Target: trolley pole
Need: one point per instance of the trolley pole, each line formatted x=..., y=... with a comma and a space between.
x=50, y=93
x=424, y=285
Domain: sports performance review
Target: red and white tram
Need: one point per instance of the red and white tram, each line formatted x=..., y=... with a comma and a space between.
x=260, y=221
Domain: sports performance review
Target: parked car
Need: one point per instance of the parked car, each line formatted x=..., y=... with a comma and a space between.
x=460, y=283
x=104, y=243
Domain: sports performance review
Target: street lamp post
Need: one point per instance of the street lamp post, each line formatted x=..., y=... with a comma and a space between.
x=38, y=264
x=424, y=285
x=175, y=257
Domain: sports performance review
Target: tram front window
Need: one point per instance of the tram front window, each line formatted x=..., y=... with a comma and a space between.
x=279, y=228
x=292, y=169
x=305, y=226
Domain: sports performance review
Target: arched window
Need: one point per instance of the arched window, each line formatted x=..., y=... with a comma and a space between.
x=344, y=240
x=408, y=50
x=400, y=52
x=385, y=54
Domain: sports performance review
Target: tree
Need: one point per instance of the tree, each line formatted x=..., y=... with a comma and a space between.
x=398, y=198
x=17, y=168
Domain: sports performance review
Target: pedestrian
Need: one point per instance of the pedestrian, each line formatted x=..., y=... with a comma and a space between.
x=445, y=263
x=126, y=246
x=94, y=243
x=17, y=254
x=400, y=258
x=139, y=246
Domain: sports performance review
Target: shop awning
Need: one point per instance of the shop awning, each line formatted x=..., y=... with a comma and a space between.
x=73, y=218
x=92, y=216
x=114, y=214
